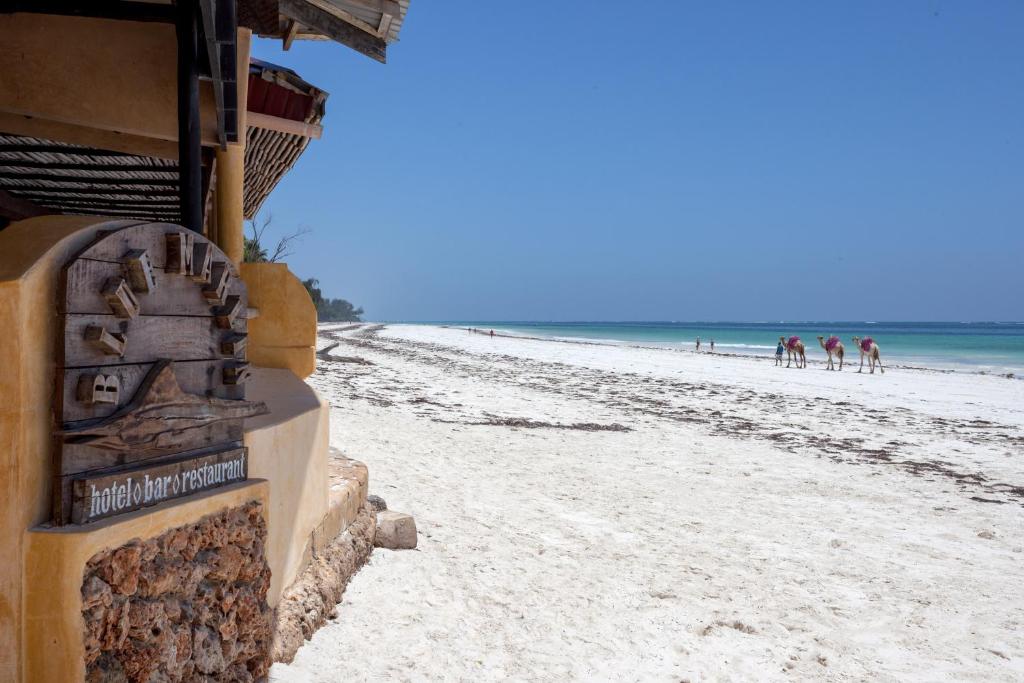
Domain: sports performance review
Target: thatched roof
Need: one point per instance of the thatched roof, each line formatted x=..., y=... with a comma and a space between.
x=288, y=111
x=57, y=177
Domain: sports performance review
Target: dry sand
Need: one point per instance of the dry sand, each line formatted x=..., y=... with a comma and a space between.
x=596, y=512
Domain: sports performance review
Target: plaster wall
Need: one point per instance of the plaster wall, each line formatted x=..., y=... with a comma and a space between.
x=98, y=74
x=284, y=333
x=289, y=448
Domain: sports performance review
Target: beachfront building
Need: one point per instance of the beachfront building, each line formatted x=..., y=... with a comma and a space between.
x=167, y=494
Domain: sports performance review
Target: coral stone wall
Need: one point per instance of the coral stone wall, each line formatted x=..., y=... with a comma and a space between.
x=190, y=604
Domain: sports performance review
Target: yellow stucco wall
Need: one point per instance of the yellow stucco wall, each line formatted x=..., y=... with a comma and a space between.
x=99, y=74
x=31, y=255
x=284, y=333
x=55, y=560
x=288, y=447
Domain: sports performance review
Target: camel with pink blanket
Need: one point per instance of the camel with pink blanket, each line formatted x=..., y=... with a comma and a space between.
x=832, y=347
x=795, y=349
x=869, y=348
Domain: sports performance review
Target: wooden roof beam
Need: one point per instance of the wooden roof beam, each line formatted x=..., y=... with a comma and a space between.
x=335, y=28
x=276, y=123
x=289, y=36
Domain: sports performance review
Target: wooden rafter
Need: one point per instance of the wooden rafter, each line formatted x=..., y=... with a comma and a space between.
x=335, y=28
x=281, y=125
x=289, y=36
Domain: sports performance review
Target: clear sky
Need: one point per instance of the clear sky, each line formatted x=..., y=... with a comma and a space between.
x=670, y=160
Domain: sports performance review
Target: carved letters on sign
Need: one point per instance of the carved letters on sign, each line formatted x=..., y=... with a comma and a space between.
x=214, y=292
x=139, y=270
x=121, y=298
x=109, y=495
x=179, y=253
x=202, y=261
x=99, y=389
x=111, y=343
x=161, y=417
x=227, y=313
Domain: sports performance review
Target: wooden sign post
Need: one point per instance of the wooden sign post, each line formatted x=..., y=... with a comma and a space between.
x=150, y=396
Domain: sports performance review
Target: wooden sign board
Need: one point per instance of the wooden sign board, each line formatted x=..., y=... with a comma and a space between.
x=151, y=367
x=114, y=494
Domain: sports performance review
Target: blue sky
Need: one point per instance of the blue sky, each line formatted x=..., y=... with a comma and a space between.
x=690, y=161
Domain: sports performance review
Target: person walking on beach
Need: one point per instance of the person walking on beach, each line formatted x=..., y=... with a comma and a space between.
x=712, y=346
x=492, y=334
x=698, y=343
x=778, y=353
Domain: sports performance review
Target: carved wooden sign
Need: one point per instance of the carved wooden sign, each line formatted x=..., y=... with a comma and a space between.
x=150, y=395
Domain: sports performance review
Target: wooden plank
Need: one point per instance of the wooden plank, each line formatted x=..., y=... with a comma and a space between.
x=146, y=338
x=289, y=36
x=335, y=28
x=385, y=25
x=105, y=496
x=344, y=15
x=161, y=418
x=202, y=377
x=281, y=125
x=80, y=458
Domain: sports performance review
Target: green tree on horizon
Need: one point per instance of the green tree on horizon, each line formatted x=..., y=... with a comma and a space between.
x=331, y=310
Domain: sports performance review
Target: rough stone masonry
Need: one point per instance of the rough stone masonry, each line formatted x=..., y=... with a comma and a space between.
x=190, y=604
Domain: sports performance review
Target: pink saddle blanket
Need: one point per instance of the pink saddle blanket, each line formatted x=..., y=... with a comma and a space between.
x=792, y=342
x=832, y=343
x=866, y=344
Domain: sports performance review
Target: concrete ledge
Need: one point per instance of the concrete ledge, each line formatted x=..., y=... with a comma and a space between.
x=348, y=488
x=55, y=559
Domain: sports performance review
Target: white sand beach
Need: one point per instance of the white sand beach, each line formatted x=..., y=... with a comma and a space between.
x=597, y=512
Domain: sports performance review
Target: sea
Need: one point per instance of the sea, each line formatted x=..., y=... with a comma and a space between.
x=985, y=347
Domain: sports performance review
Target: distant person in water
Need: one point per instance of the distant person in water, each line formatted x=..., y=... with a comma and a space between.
x=698, y=343
x=779, y=350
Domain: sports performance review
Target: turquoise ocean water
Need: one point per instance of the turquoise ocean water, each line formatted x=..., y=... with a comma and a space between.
x=996, y=348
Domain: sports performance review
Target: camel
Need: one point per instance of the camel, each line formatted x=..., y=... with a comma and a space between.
x=794, y=349
x=832, y=347
x=869, y=348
